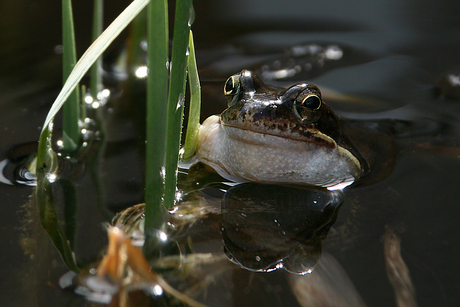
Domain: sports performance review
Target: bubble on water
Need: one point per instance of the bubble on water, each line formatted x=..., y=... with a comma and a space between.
x=104, y=94
x=141, y=72
x=454, y=79
x=333, y=53
x=51, y=177
x=89, y=99
x=157, y=290
x=163, y=236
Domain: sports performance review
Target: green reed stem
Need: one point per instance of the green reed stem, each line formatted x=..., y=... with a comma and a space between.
x=71, y=131
x=157, y=96
x=182, y=21
x=195, y=103
x=96, y=70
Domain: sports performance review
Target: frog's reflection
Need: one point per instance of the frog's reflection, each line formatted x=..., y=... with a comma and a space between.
x=268, y=227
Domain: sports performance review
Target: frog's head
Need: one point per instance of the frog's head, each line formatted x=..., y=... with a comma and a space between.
x=292, y=129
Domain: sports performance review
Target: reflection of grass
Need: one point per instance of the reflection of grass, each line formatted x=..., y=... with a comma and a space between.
x=166, y=91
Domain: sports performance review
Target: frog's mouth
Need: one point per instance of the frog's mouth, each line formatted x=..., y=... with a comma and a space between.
x=317, y=140
x=258, y=136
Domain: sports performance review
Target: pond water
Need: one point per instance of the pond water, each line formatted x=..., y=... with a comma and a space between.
x=393, y=56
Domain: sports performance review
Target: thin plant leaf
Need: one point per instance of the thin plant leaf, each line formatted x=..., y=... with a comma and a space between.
x=193, y=124
x=70, y=121
x=176, y=97
x=157, y=97
x=92, y=53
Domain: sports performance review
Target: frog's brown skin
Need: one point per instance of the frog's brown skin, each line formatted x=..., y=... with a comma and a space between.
x=270, y=134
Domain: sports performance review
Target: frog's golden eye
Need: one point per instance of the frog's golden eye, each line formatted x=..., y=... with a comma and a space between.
x=308, y=108
x=232, y=89
x=231, y=86
x=311, y=102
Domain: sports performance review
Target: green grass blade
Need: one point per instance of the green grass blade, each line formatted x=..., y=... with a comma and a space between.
x=92, y=53
x=157, y=97
x=182, y=21
x=195, y=103
x=96, y=70
x=70, y=125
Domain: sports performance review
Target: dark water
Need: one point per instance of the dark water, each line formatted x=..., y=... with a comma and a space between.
x=395, y=52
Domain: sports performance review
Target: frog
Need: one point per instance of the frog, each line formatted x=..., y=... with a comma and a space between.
x=289, y=136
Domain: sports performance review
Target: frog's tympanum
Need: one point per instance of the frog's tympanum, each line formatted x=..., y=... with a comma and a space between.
x=270, y=134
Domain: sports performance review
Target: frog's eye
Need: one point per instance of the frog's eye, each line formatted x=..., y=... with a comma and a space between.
x=232, y=89
x=308, y=108
x=311, y=102
x=231, y=86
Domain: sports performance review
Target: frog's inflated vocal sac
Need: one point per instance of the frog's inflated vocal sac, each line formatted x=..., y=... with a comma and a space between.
x=270, y=134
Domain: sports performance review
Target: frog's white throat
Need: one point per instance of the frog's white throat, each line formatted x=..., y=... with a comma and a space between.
x=244, y=155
